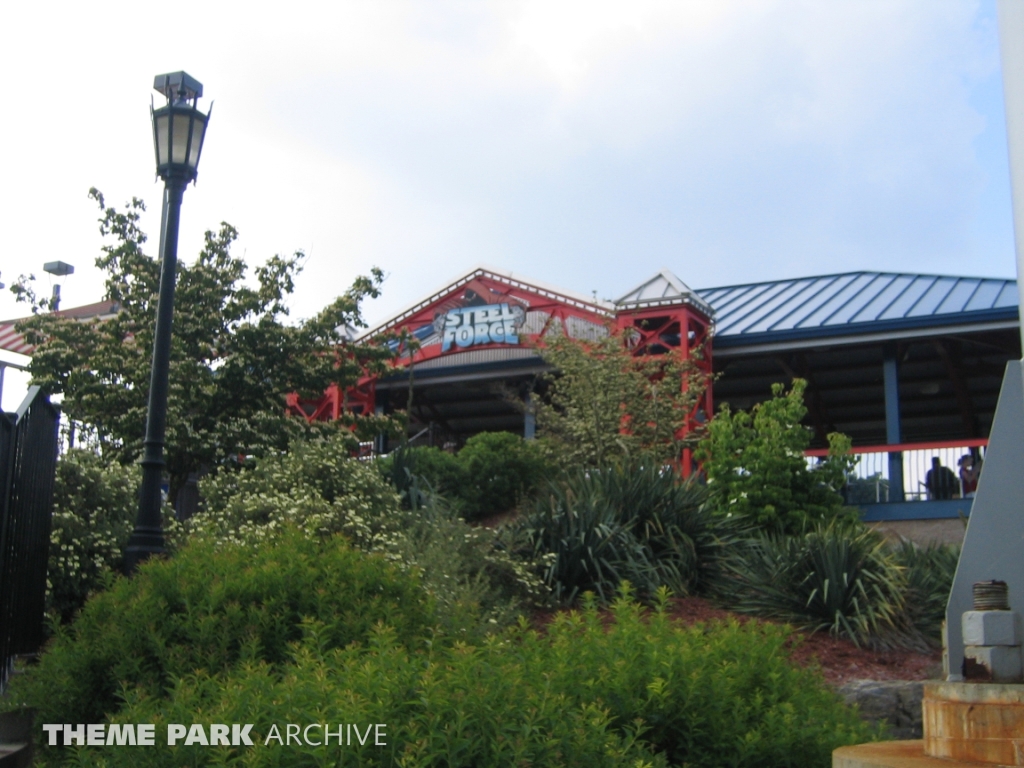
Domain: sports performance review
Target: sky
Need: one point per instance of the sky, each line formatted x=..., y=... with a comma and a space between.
x=585, y=144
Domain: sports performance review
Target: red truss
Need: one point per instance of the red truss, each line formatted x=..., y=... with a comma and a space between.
x=659, y=330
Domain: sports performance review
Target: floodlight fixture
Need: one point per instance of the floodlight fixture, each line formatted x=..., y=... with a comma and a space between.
x=58, y=268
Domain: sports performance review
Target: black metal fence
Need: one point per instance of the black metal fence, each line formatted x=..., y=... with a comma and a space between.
x=28, y=463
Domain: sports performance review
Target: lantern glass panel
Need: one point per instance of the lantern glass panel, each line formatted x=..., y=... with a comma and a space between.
x=198, y=129
x=180, y=125
x=161, y=119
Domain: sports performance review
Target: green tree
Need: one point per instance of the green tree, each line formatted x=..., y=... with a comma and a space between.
x=603, y=402
x=756, y=468
x=233, y=356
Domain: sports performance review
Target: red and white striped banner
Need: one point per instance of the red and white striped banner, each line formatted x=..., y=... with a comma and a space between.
x=12, y=341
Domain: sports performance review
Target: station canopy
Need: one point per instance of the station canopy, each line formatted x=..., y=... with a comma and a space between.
x=950, y=335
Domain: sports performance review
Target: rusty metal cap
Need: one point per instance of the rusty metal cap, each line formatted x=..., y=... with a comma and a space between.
x=991, y=596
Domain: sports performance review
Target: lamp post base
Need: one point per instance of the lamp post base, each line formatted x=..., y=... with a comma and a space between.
x=144, y=544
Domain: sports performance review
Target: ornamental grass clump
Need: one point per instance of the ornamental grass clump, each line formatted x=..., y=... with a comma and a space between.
x=627, y=687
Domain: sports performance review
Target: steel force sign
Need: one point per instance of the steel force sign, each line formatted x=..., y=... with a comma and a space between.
x=470, y=326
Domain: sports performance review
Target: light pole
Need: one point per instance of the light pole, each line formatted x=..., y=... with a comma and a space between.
x=57, y=269
x=178, y=132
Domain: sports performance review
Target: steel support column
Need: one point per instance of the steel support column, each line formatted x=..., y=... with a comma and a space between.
x=892, y=421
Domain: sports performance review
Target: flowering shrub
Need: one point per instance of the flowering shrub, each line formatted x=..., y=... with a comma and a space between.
x=318, y=488
x=94, y=509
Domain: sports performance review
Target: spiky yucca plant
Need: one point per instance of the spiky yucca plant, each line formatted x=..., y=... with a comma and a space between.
x=929, y=571
x=633, y=520
x=839, y=577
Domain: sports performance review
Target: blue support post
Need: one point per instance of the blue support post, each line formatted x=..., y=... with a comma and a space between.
x=892, y=422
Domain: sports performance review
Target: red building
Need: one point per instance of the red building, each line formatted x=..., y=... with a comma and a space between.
x=477, y=362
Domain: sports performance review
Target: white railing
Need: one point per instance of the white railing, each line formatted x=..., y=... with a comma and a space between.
x=869, y=481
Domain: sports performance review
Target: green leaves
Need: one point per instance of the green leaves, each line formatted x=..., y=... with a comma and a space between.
x=633, y=520
x=317, y=488
x=492, y=473
x=233, y=356
x=214, y=606
x=619, y=689
x=929, y=572
x=603, y=403
x=756, y=468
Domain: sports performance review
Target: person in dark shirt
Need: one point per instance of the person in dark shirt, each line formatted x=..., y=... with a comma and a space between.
x=940, y=481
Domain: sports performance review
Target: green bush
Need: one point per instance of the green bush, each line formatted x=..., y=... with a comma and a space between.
x=602, y=382
x=500, y=469
x=638, y=690
x=929, y=573
x=490, y=475
x=632, y=520
x=477, y=583
x=419, y=471
x=839, y=577
x=210, y=607
x=756, y=468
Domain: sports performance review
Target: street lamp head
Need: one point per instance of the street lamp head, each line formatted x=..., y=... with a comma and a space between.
x=178, y=127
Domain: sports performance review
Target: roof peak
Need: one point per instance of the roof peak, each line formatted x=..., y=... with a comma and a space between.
x=663, y=287
x=482, y=270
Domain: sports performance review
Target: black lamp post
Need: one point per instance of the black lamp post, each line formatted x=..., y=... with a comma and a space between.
x=178, y=132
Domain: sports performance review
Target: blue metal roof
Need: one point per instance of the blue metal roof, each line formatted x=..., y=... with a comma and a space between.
x=854, y=303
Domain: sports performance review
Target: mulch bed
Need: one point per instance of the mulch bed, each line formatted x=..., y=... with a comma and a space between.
x=840, y=661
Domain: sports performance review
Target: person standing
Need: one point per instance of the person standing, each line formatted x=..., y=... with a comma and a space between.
x=940, y=481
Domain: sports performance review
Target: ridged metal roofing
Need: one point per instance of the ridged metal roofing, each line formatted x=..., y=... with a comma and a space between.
x=855, y=302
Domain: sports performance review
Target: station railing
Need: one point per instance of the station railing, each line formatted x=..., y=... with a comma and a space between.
x=869, y=481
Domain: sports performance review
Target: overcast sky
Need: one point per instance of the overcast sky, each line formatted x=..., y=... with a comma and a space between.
x=584, y=144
